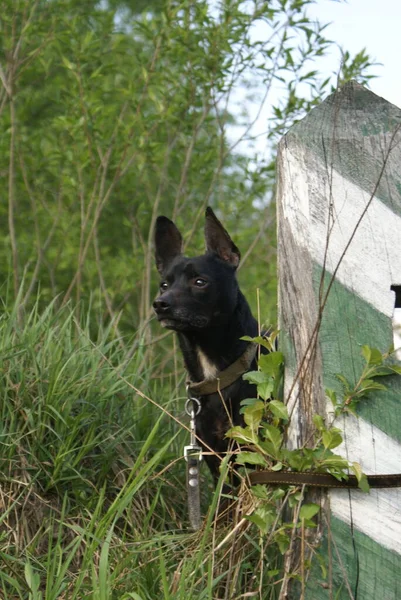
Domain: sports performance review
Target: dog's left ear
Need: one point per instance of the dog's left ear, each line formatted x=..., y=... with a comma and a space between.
x=218, y=240
x=168, y=243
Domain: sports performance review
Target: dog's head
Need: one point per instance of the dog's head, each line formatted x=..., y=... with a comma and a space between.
x=199, y=292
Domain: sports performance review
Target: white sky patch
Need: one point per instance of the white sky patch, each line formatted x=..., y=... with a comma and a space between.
x=353, y=25
x=369, y=24
x=397, y=332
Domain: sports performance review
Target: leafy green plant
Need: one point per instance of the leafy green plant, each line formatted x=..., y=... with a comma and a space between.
x=377, y=365
x=262, y=442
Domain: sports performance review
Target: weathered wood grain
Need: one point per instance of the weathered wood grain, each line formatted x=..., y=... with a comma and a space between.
x=339, y=248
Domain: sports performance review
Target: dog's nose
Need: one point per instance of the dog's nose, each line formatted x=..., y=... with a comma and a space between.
x=161, y=305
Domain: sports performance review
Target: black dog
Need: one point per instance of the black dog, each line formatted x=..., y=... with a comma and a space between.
x=200, y=299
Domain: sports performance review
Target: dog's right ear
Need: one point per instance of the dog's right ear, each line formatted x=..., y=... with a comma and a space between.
x=168, y=243
x=218, y=240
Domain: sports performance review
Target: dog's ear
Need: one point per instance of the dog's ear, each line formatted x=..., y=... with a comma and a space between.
x=218, y=240
x=168, y=243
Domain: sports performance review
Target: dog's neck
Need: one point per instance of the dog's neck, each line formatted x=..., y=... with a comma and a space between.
x=211, y=350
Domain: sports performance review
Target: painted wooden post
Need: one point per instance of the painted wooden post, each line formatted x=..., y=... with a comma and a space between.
x=339, y=230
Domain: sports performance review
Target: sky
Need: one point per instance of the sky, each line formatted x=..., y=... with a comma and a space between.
x=354, y=25
x=371, y=24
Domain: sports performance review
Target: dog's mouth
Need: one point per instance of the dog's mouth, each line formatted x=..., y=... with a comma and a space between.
x=182, y=321
x=169, y=323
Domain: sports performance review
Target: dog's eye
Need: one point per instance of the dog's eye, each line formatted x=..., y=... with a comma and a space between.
x=199, y=282
x=163, y=285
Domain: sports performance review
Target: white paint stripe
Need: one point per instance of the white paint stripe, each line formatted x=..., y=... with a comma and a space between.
x=377, y=514
x=368, y=445
x=367, y=514
x=306, y=195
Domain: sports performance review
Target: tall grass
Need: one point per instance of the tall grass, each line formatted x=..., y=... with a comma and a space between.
x=92, y=496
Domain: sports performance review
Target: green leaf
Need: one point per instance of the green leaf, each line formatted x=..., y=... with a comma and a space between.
x=278, y=409
x=260, y=491
x=253, y=415
x=258, y=521
x=257, y=377
x=368, y=385
x=373, y=356
x=335, y=463
x=264, y=517
x=265, y=390
x=283, y=541
x=273, y=572
x=68, y=63
x=271, y=363
x=266, y=342
x=248, y=402
x=361, y=477
x=332, y=438
x=296, y=459
x=363, y=484
x=322, y=564
x=384, y=371
x=308, y=511
x=248, y=338
x=244, y=435
x=332, y=396
x=344, y=381
x=366, y=353
x=273, y=434
x=250, y=458
x=269, y=449
x=319, y=422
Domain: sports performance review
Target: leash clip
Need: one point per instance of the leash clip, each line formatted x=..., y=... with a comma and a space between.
x=192, y=452
x=193, y=458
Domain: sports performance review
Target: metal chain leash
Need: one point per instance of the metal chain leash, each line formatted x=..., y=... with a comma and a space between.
x=193, y=458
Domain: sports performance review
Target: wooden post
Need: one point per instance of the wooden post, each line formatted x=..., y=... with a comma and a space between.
x=339, y=244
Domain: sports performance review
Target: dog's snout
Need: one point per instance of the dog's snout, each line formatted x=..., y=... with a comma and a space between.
x=161, y=305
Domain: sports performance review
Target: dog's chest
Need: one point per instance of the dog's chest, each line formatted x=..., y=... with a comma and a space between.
x=209, y=370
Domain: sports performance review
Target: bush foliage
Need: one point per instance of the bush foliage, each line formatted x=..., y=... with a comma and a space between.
x=114, y=112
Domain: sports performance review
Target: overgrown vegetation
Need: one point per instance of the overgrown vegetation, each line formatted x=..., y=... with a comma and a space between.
x=264, y=435
x=92, y=502
x=112, y=113
x=81, y=451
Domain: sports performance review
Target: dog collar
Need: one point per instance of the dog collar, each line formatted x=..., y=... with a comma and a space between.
x=226, y=377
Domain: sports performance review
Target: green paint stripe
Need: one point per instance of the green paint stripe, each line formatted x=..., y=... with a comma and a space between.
x=349, y=323
x=341, y=118
x=373, y=572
